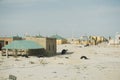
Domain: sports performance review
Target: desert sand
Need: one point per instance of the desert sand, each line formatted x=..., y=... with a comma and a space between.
x=103, y=63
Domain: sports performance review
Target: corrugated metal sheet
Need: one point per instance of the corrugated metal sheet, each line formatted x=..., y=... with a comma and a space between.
x=22, y=44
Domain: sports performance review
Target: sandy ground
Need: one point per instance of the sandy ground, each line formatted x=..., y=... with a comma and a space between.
x=103, y=64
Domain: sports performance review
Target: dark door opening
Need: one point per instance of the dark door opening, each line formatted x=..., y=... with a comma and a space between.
x=0, y=46
x=6, y=42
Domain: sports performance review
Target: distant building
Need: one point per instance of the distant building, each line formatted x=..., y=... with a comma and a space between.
x=97, y=39
x=39, y=36
x=115, y=41
x=59, y=39
x=73, y=40
x=49, y=44
x=84, y=40
x=87, y=40
x=6, y=40
x=117, y=37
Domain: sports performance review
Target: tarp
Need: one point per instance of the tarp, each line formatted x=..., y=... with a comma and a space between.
x=23, y=44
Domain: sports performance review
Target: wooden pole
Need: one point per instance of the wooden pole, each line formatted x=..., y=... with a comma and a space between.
x=26, y=51
x=6, y=53
x=15, y=52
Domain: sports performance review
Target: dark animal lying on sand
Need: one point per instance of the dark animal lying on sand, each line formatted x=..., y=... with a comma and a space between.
x=64, y=51
x=83, y=57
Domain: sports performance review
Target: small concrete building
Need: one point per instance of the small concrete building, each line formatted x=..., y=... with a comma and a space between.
x=49, y=44
x=59, y=39
x=6, y=40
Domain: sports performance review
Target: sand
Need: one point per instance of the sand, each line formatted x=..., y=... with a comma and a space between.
x=103, y=64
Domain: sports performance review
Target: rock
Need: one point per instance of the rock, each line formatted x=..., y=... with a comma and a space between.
x=12, y=77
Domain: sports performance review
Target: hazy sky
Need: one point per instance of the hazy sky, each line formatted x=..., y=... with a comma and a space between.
x=63, y=17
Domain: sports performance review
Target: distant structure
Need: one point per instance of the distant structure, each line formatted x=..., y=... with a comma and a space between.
x=87, y=40
x=49, y=44
x=84, y=40
x=117, y=37
x=115, y=41
x=59, y=39
x=6, y=40
x=39, y=36
x=73, y=41
x=94, y=40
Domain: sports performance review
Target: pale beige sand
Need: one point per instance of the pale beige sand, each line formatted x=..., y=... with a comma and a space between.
x=103, y=64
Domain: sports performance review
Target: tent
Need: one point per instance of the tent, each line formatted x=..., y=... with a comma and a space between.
x=22, y=44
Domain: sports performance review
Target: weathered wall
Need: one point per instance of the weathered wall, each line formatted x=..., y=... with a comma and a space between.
x=49, y=44
x=58, y=42
x=5, y=40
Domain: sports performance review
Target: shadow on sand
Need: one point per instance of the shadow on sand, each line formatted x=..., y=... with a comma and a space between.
x=67, y=53
x=39, y=55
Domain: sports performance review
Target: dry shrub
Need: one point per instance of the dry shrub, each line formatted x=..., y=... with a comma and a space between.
x=43, y=62
x=31, y=62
